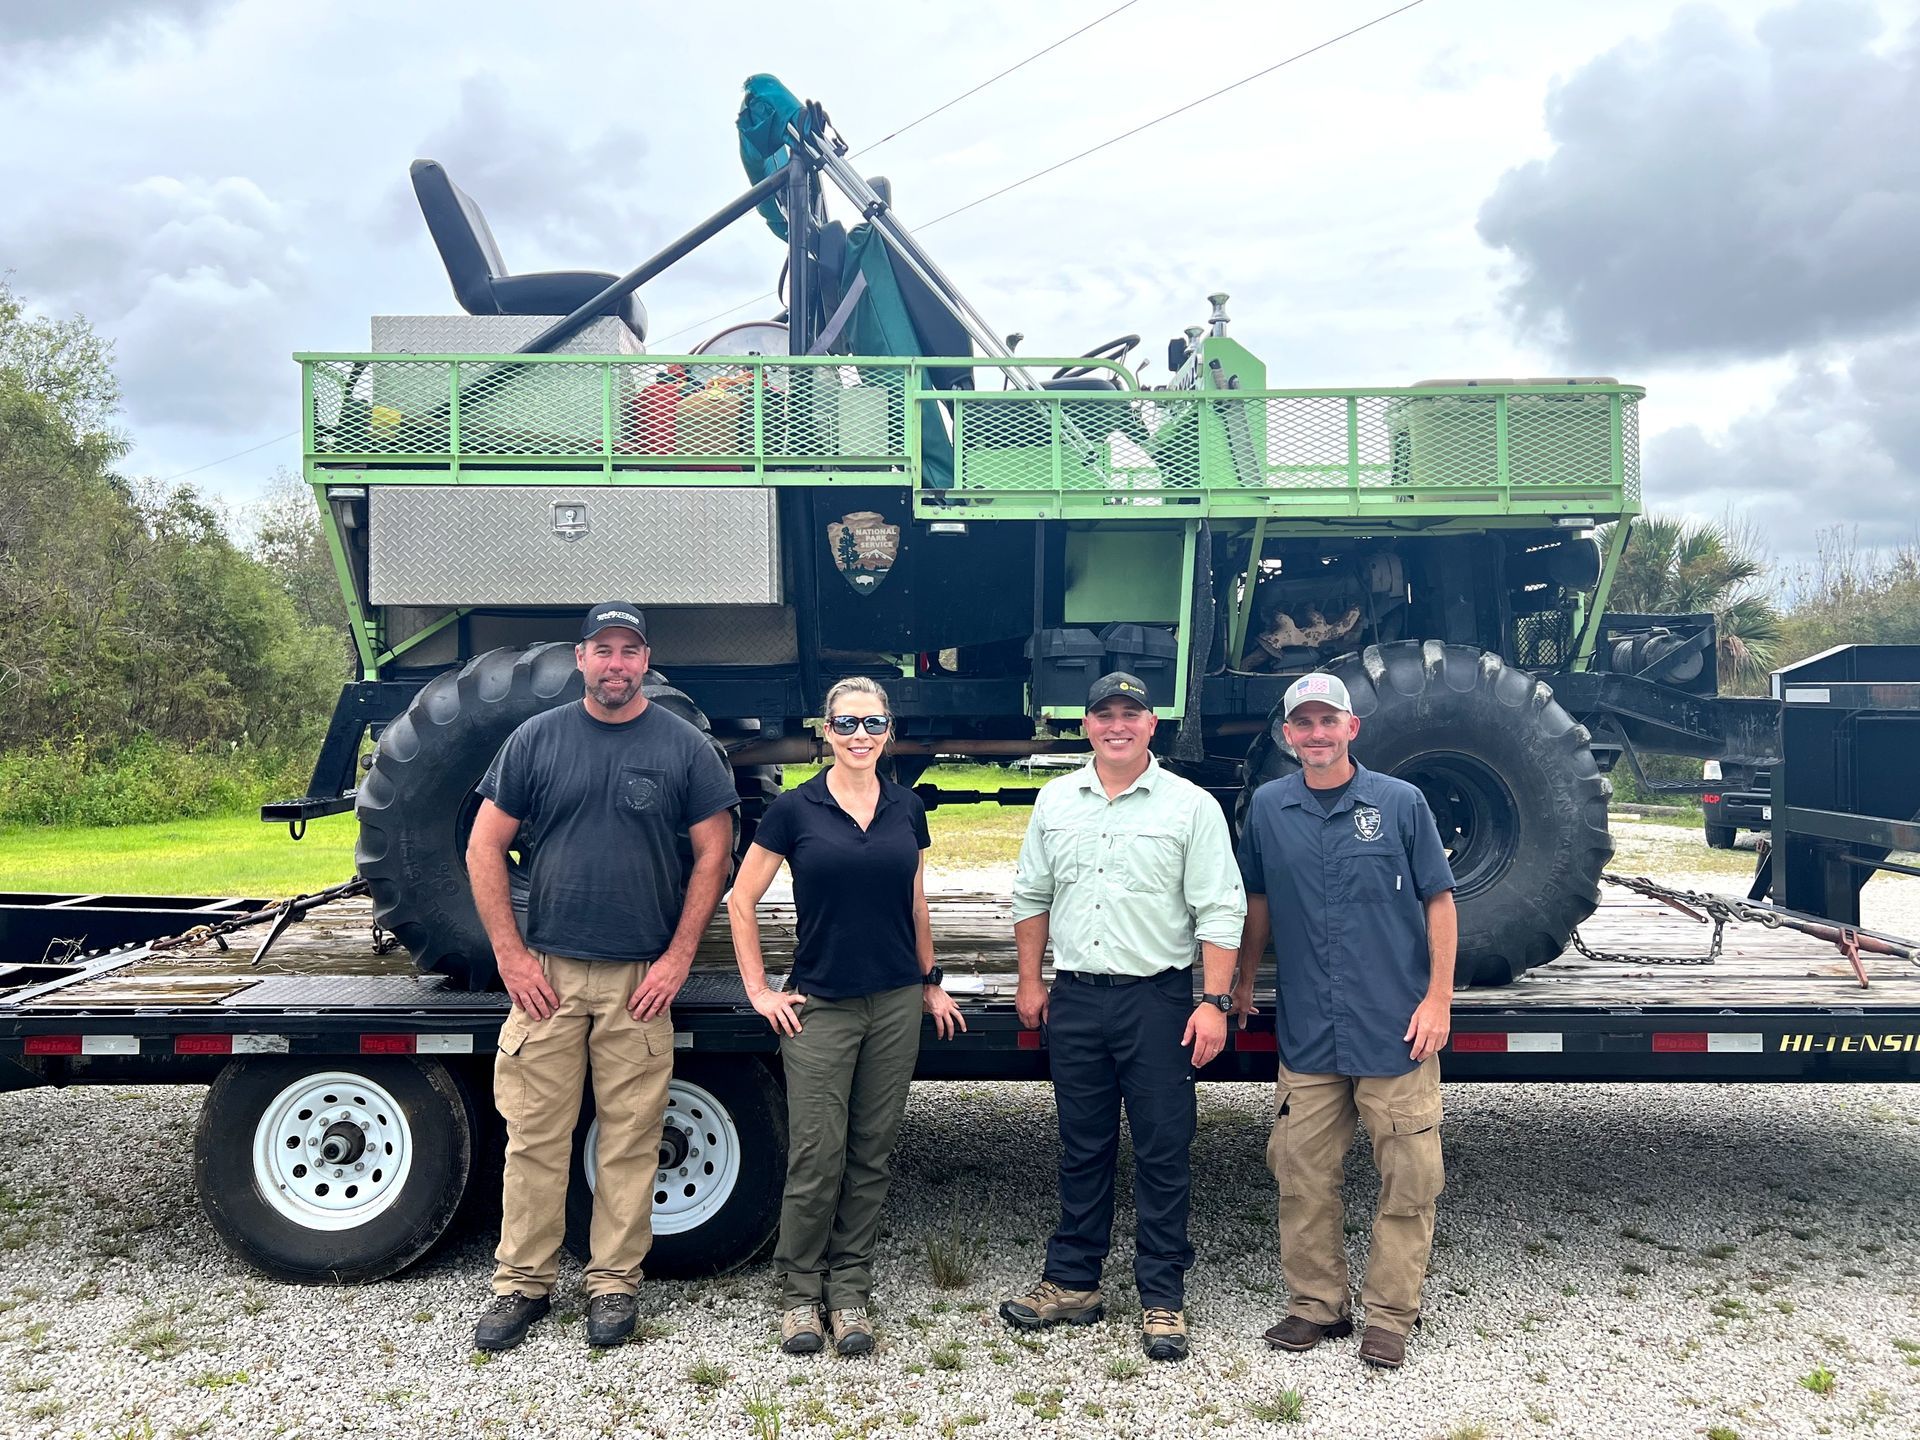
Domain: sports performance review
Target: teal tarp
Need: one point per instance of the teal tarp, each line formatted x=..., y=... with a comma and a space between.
x=765, y=112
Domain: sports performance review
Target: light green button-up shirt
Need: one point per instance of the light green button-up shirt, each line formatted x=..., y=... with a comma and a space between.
x=1129, y=884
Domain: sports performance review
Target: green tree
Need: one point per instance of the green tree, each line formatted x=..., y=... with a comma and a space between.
x=1672, y=567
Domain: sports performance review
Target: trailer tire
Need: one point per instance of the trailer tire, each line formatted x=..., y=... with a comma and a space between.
x=416, y=808
x=717, y=1205
x=409, y=1122
x=1510, y=777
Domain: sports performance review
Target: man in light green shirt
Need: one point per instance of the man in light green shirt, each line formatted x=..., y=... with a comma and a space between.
x=1126, y=868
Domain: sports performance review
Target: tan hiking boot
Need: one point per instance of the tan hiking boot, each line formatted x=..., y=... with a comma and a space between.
x=800, y=1332
x=1050, y=1304
x=1163, y=1333
x=852, y=1330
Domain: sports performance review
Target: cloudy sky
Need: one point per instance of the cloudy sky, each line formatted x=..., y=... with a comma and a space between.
x=1720, y=201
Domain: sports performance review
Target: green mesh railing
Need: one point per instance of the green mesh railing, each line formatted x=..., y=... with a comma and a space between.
x=1428, y=451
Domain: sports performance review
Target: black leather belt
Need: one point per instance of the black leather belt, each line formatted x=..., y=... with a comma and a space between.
x=1086, y=977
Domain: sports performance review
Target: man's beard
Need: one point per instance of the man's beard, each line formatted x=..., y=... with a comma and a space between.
x=613, y=694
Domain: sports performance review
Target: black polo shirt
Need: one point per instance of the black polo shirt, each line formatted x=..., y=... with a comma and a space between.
x=852, y=888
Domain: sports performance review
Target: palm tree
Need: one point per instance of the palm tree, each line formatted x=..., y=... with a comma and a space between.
x=1672, y=567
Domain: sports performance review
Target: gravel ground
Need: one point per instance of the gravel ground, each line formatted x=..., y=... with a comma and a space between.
x=1611, y=1261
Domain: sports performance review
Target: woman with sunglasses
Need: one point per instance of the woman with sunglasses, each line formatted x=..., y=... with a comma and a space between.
x=848, y=1017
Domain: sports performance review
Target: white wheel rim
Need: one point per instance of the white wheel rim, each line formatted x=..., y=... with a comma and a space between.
x=688, y=1193
x=332, y=1151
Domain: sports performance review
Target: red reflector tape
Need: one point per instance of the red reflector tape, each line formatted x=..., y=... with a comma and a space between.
x=1484, y=1042
x=388, y=1044
x=1679, y=1041
x=1027, y=1040
x=1255, y=1041
x=52, y=1045
x=203, y=1044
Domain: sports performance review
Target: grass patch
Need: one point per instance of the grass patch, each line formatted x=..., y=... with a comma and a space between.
x=708, y=1374
x=1122, y=1367
x=1285, y=1408
x=764, y=1413
x=951, y=1355
x=218, y=1380
x=951, y=1258
x=1819, y=1380
x=230, y=855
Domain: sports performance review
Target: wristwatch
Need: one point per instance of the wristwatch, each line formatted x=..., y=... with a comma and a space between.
x=1222, y=1003
x=933, y=977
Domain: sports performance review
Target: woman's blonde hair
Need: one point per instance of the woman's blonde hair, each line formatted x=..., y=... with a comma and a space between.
x=856, y=685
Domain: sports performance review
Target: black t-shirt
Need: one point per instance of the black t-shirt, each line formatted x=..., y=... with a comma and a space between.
x=1330, y=797
x=598, y=807
x=852, y=888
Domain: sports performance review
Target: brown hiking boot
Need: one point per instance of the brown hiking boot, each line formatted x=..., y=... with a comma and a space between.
x=1163, y=1333
x=852, y=1330
x=1296, y=1332
x=1383, y=1349
x=800, y=1332
x=1050, y=1304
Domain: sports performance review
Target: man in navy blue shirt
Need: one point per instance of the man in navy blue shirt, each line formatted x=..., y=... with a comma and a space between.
x=1346, y=874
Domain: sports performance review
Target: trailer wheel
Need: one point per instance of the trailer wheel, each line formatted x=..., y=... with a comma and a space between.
x=417, y=806
x=333, y=1175
x=1510, y=778
x=723, y=1167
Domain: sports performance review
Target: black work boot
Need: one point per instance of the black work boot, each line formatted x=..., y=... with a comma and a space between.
x=610, y=1319
x=505, y=1322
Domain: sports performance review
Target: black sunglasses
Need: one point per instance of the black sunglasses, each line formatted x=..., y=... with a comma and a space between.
x=847, y=724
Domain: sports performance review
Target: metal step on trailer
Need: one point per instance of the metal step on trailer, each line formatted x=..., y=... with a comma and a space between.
x=1773, y=1004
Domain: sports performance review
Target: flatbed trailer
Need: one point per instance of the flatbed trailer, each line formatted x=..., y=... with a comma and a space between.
x=350, y=1111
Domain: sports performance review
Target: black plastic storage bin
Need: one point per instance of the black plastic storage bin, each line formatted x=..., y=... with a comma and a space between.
x=1069, y=662
x=1146, y=651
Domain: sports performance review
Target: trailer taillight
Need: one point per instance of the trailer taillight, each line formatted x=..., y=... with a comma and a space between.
x=203, y=1044
x=388, y=1044
x=51, y=1045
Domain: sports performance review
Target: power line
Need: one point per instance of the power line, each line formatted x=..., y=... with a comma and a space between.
x=235, y=456
x=662, y=339
x=1191, y=104
x=990, y=79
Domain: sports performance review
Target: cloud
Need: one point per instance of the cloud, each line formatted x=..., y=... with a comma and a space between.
x=1717, y=194
x=194, y=280
x=40, y=25
x=1840, y=443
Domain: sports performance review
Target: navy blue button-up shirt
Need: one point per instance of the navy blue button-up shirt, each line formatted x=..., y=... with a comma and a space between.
x=1346, y=892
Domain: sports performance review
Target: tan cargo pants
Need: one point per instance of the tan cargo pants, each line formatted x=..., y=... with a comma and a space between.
x=537, y=1077
x=1307, y=1154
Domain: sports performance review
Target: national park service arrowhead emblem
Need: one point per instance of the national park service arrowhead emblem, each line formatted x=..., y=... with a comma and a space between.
x=864, y=548
x=1366, y=821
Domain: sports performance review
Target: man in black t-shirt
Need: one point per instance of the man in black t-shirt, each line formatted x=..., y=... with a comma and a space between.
x=592, y=794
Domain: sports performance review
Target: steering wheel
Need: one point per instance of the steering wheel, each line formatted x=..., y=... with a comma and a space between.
x=1115, y=350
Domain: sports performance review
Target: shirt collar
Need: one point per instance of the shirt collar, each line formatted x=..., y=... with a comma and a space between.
x=816, y=790
x=1294, y=790
x=1089, y=779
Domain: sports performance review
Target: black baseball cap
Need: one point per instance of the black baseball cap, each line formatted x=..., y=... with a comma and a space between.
x=1127, y=687
x=623, y=613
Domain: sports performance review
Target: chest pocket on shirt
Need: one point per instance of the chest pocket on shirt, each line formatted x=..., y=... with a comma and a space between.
x=1067, y=848
x=1152, y=859
x=1373, y=877
x=642, y=791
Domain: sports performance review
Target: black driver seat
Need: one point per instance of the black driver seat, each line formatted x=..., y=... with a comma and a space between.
x=480, y=280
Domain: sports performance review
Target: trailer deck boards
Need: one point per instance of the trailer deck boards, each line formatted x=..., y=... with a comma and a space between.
x=1776, y=1005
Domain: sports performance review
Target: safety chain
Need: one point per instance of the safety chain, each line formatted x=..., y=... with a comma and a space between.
x=281, y=914
x=1718, y=910
x=1721, y=911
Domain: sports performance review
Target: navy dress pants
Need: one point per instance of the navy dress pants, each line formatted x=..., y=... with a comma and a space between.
x=1111, y=1044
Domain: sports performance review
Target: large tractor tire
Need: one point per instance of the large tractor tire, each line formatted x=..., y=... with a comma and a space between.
x=417, y=806
x=1511, y=781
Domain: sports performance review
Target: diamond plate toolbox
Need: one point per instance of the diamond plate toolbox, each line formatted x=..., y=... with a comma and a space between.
x=550, y=545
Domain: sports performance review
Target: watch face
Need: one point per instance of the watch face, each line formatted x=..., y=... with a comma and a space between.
x=933, y=977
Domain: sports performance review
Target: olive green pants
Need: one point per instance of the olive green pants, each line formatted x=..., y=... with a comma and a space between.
x=848, y=1071
x=537, y=1077
x=1307, y=1153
